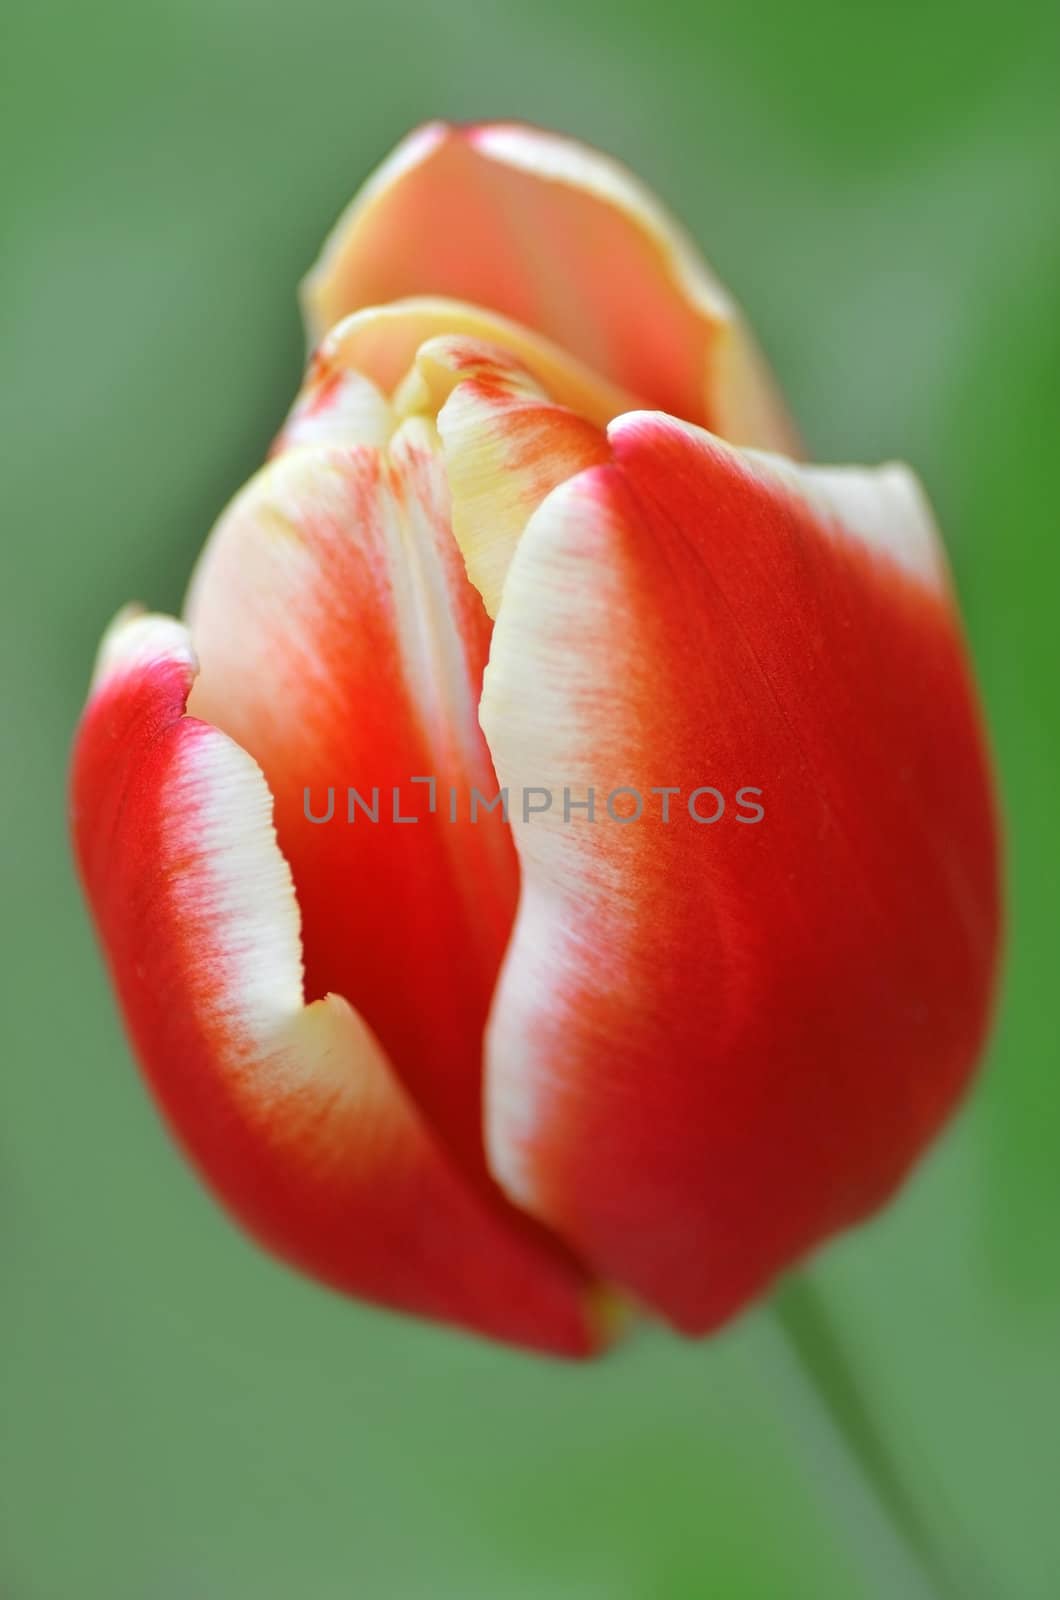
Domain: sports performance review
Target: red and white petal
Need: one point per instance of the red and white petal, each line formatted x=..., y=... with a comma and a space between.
x=562, y=240
x=342, y=646
x=716, y=1043
x=291, y=1112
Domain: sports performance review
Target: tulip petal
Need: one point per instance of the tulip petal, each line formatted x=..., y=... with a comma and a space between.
x=564, y=241
x=291, y=1111
x=342, y=646
x=716, y=1042
x=507, y=445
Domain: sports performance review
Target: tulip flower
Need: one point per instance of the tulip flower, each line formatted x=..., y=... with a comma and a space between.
x=553, y=864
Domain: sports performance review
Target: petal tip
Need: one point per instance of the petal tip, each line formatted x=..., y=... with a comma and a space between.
x=137, y=637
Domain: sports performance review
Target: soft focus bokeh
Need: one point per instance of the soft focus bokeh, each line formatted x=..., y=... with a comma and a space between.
x=181, y=1418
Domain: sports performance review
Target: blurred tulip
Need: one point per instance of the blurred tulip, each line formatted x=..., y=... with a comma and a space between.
x=534, y=527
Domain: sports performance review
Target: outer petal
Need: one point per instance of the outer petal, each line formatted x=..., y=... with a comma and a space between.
x=714, y=1044
x=343, y=647
x=564, y=241
x=291, y=1112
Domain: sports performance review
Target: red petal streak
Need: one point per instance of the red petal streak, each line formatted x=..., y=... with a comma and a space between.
x=713, y=1045
x=291, y=1113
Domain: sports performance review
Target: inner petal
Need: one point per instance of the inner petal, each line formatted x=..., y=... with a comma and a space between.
x=380, y=344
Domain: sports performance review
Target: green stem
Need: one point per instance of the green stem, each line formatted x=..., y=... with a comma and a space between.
x=851, y=1451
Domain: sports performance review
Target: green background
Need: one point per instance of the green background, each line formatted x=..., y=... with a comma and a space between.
x=180, y=1418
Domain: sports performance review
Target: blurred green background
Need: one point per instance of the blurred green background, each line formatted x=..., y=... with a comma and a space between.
x=183, y=1420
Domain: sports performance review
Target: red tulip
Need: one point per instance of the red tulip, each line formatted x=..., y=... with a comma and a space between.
x=704, y=995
